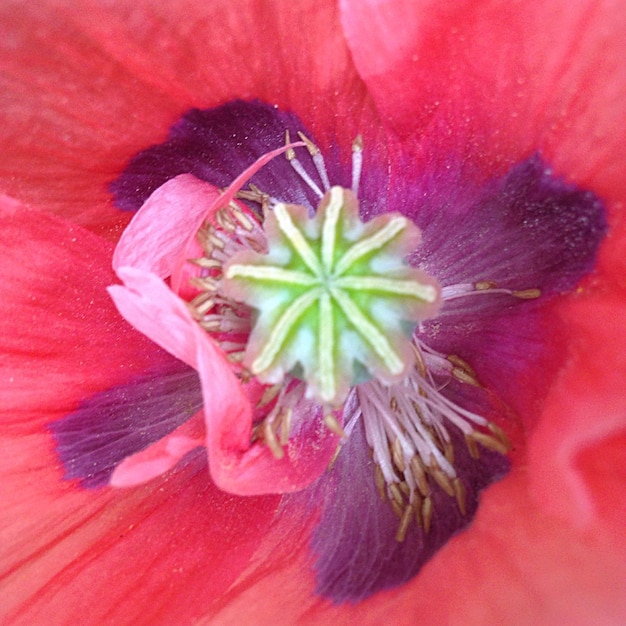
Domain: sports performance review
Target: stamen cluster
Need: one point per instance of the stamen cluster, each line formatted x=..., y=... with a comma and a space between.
x=322, y=288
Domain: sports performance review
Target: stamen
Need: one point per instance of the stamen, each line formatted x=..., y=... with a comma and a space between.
x=298, y=167
x=459, y=493
x=318, y=160
x=486, y=287
x=357, y=163
x=405, y=522
x=406, y=426
x=269, y=436
x=334, y=426
x=427, y=513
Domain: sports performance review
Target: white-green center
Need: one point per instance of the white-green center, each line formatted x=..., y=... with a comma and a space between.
x=336, y=304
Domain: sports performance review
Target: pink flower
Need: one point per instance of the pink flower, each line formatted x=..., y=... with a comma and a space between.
x=460, y=93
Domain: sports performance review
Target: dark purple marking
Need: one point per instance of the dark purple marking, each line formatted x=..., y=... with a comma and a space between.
x=118, y=422
x=527, y=229
x=216, y=145
x=524, y=230
x=355, y=544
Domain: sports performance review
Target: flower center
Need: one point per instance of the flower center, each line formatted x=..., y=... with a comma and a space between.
x=331, y=294
x=324, y=306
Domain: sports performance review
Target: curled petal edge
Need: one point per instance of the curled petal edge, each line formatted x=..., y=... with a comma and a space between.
x=236, y=465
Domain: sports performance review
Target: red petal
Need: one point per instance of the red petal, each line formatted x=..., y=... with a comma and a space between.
x=586, y=406
x=496, y=81
x=83, y=91
x=515, y=563
x=159, y=554
x=60, y=336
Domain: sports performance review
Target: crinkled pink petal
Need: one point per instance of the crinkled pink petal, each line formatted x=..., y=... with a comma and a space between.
x=158, y=235
x=159, y=457
x=150, y=306
x=236, y=465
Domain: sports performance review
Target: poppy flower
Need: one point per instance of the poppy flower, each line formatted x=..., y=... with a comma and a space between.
x=125, y=99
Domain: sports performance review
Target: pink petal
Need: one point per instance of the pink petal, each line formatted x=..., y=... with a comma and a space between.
x=236, y=465
x=150, y=306
x=158, y=235
x=159, y=457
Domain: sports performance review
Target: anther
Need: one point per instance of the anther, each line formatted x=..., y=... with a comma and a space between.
x=405, y=521
x=527, y=294
x=396, y=494
x=256, y=196
x=236, y=357
x=268, y=395
x=472, y=447
x=210, y=325
x=334, y=426
x=206, y=283
x=500, y=435
x=381, y=483
x=462, y=363
x=243, y=219
x=489, y=442
x=464, y=377
x=459, y=493
x=215, y=241
x=398, y=455
x=269, y=436
x=290, y=153
x=318, y=160
x=448, y=451
x=419, y=473
x=398, y=509
x=427, y=513
x=420, y=366
x=443, y=481
x=222, y=217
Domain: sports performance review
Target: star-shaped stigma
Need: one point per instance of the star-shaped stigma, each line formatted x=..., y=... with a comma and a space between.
x=335, y=302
